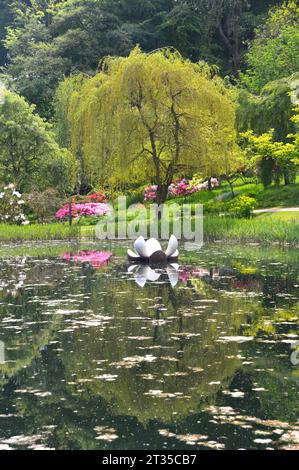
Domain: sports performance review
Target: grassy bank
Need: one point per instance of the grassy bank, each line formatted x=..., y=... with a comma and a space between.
x=16, y=233
x=264, y=228
x=258, y=229
x=275, y=196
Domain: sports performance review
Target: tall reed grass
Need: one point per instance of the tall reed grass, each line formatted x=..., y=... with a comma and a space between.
x=264, y=230
x=37, y=232
x=226, y=229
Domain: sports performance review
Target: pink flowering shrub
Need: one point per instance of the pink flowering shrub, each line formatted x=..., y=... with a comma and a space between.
x=180, y=188
x=85, y=209
x=97, y=259
x=151, y=193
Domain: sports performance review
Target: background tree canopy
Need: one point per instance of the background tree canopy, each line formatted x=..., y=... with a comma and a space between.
x=29, y=154
x=274, y=53
x=55, y=54
x=47, y=40
x=151, y=116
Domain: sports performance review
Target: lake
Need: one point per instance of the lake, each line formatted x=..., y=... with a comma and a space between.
x=95, y=354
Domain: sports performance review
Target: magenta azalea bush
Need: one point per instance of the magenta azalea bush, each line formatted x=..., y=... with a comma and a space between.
x=82, y=210
x=181, y=188
x=184, y=187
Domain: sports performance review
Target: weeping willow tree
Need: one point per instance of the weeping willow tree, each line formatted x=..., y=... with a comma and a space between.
x=150, y=117
x=272, y=114
x=272, y=109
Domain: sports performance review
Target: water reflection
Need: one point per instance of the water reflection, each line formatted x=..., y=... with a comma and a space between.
x=144, y=273
x=97, y=259
x=199, y=357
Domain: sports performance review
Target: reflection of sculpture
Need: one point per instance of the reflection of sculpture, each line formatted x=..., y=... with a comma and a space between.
x=146, y=273
x=150, y=251
x=2, y=352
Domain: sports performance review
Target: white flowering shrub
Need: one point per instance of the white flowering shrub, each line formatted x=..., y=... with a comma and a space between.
x=11, y=206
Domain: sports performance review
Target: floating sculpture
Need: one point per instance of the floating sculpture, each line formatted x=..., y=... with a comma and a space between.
x=144, y=273
x=151, y=252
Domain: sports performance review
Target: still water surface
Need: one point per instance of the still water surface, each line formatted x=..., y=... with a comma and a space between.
x=200, y=356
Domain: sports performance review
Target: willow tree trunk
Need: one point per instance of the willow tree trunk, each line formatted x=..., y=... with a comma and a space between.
x=162, y=193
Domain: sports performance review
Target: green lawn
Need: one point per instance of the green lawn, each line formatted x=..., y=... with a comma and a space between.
x=275, y=196
x=287, y=216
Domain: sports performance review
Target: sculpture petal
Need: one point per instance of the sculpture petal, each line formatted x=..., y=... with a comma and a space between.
x=140, y=247
x=152, y=245
x=174, y=255
x=131, y=254
x=175, y=266
x=172, y=246
x=152, y=275
x=173, y=275
x=132, y=268
x=144, y=274
x=140, y=276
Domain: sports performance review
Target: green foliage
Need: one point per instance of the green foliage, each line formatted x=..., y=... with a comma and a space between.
x=139, y=119
x=215, y=207
x=43, y=204
x=5, y=19
x=272, y=109
x=35, y=64
x=271, y=156
x=29, y=155
x=48, y=40
x=274, y=53
x=242, y=206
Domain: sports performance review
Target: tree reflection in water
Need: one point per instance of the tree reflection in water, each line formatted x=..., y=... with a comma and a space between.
x=95, y=361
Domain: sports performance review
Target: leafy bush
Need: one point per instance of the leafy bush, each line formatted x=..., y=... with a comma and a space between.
x=86, y=220
x=135, y=195
x=215, y=207
x=242, y=206
x=43, y=204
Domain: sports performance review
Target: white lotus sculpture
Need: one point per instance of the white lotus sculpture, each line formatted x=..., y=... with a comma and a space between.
x=144, y=273
x=150, y=251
